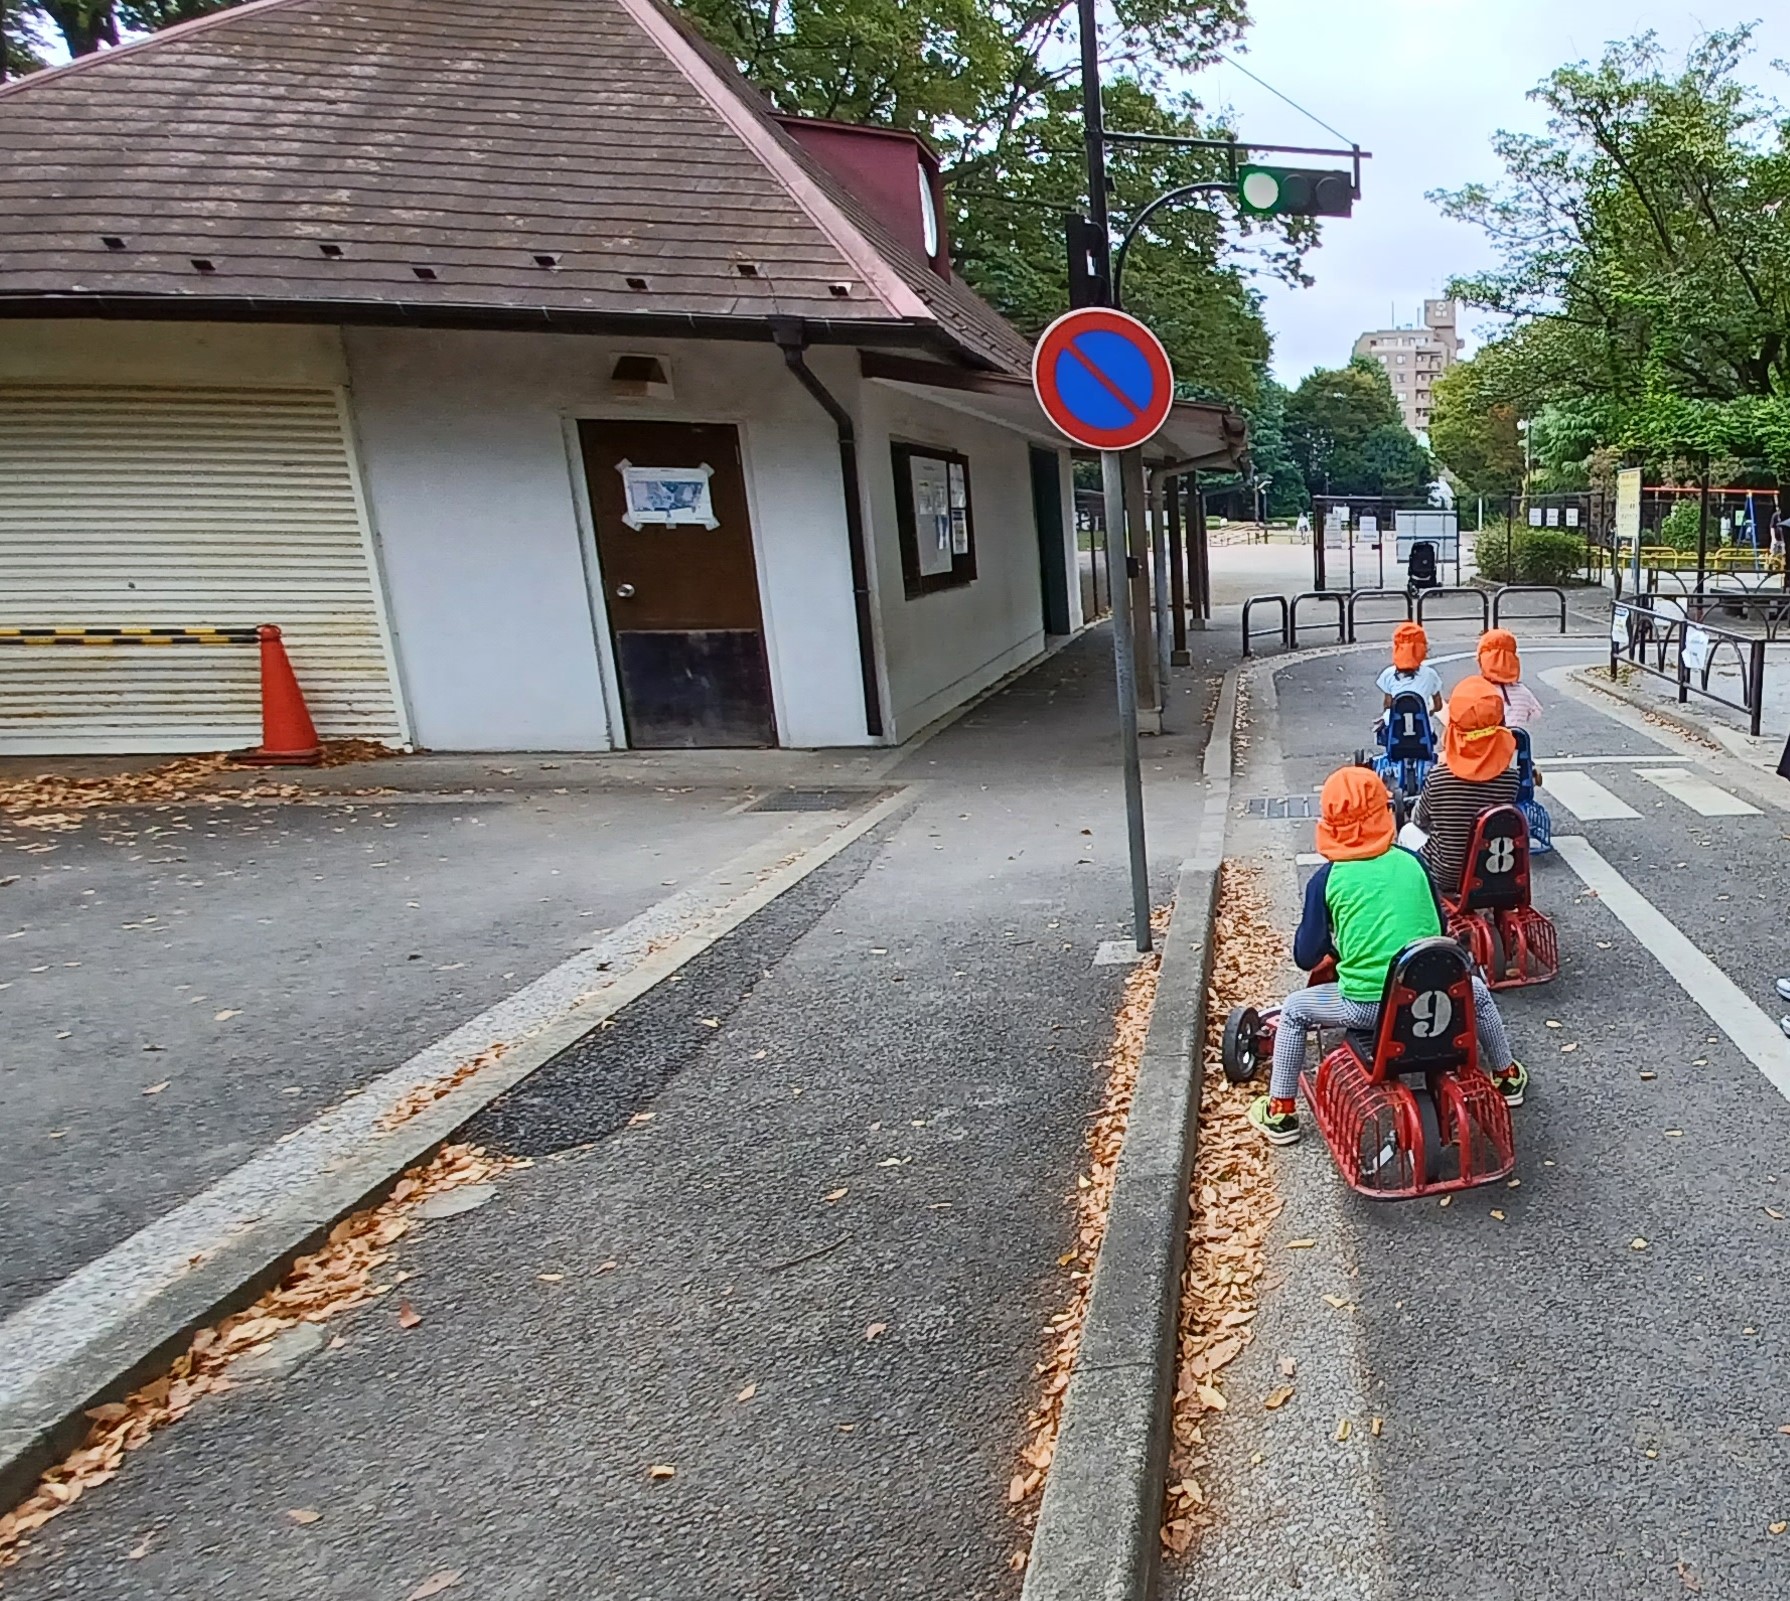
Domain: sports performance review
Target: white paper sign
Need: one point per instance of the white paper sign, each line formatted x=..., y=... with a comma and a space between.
x=1535, y=517
x=669, y=496
x=1553, y=516
x=1619, y=628
x=1695, y=651
x=931, y=481
x=1572, y=516
x=1369, y=525
x=1340, y=514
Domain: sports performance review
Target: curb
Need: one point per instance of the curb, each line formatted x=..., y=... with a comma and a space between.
x=1099, y=1527
x=135, y=1308
x=1667, y=712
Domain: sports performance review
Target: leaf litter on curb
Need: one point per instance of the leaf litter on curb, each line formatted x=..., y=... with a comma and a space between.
x=316, y=1288
x=1093, y=1197
x=1232, y=1207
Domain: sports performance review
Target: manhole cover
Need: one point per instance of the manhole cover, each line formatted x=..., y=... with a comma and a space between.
x=1282, y=808
x=815, y=800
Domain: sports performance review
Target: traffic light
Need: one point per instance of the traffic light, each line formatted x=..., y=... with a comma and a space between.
x=1090, y=282
x=1295, y=192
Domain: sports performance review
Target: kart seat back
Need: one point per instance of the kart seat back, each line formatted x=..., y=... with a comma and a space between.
x=1422, y=565
x=1426, y=1016
x=1409, y=734
x=1496, y=875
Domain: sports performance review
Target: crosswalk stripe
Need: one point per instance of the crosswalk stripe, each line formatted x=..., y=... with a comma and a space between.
x=1584, y=797
x=1711, y=800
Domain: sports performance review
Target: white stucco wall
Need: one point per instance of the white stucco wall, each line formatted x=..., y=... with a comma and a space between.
x=942, y=648
x=478, y=500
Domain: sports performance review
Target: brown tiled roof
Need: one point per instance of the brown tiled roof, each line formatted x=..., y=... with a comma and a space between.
x=556, y=162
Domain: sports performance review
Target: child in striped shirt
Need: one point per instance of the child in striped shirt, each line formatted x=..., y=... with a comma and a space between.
x=1474, y=775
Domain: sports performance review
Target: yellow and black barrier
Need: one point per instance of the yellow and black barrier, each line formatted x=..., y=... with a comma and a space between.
x=130, y=636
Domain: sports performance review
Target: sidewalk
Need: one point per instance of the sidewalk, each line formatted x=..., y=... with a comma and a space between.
x=828, y=1168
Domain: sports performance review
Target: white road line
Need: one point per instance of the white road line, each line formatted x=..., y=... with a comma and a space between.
x=1584, y=797
x=1606, y=761
x=1308, y=859
x=1754, y=1034
x=1697, y=792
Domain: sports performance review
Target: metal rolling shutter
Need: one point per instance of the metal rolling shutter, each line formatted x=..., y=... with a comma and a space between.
x=181, y=508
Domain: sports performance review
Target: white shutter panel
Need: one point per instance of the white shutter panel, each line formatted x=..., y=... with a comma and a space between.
x=181, y=508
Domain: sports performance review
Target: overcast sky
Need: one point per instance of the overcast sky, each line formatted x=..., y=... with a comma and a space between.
x=1423, y=84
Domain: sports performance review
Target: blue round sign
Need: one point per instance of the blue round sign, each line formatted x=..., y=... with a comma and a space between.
x=1103, y=378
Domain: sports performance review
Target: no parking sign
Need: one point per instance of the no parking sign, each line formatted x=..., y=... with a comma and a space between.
x=1103, y=378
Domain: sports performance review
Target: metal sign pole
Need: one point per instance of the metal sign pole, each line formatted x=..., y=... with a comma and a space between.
x=1125, y=671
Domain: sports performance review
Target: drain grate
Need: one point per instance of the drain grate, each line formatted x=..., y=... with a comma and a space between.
x=1283, y=808
x=816, y=800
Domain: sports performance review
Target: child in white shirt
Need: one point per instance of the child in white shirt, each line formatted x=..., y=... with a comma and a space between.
x=1409, y=673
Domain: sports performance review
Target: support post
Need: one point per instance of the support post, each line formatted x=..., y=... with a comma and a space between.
x=1702, y=529
x=1177, y=572
x=1124, y=672
x=1159, y=556
x=1202, y=557
x=1136, y=545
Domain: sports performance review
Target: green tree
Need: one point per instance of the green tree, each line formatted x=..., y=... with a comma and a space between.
x=1344, y=431
x=1474, y=435
x=1268, y=452
x=1643, y=258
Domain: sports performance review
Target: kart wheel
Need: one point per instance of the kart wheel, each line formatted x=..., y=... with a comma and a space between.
x=1241, y=1048
x=1429, y=1118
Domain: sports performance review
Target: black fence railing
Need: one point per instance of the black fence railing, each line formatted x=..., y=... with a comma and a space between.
x=1489, y=605
x=1667, y=643
x=1281, y=630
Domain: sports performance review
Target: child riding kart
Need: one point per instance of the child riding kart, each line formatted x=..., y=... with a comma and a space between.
x=1373, y=910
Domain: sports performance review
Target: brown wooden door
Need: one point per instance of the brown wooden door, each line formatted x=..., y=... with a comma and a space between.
x=682, y=596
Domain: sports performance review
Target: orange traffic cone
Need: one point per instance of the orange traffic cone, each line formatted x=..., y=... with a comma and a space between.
x=288, y=736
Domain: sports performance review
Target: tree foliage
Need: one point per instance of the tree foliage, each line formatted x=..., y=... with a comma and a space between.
x=1474, y=435
x=1345, y=434
x=1644, y=259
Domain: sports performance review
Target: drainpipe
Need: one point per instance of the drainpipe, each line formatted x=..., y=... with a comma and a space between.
x=792, y=340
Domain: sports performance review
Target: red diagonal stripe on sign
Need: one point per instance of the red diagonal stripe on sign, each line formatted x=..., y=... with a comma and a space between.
x=1100, y=378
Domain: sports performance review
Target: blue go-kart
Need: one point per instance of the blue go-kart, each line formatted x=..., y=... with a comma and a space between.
x=1407, y=741
x=1541, y=826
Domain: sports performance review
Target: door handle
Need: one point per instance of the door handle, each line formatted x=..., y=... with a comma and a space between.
x=625, y=591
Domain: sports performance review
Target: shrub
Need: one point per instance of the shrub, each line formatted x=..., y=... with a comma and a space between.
x=1679, y=530
x=1495, y=551
x=1548, y=555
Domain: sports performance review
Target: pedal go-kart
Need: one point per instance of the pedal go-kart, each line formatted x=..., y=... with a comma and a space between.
x=1407, y=753
x=1541, y=825
x=1406, y=1109
x=1491, y=914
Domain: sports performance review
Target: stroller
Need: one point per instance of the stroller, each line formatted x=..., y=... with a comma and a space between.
x=1420, y=572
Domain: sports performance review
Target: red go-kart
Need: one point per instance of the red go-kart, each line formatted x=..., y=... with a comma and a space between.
x=1406, y=1109
x=1512, y=942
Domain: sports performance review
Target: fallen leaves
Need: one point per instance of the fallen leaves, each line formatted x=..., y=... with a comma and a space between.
x=1637, y=1244
x=876, y=1331
x=1093, y=1196
x=304, y=1515
x=747, y=1393
x=446, y=1579
x=1233, y=1207
x=661, y=1470
x=225, y=1015
x=427, y=1094
x=156, y=1089
x=317, y=1288
x=836, y=1195
x=408, y=1316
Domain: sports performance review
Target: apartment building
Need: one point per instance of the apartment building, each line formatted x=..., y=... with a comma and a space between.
x=1414, y=358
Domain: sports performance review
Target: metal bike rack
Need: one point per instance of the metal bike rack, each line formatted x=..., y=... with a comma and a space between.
x=1358, y=595
x=1480, y=595
x=1507, y=590
x=1283, y=633
x=1342, y=626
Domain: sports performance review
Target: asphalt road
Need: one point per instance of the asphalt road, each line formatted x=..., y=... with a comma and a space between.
x=1565, y=1412
x=262, y=961
x=833, y=1162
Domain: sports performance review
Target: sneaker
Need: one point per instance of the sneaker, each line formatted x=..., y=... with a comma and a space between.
x=1784, y=1024
x=1513, y=1081
x=1281, y=1130
x=1784, y=988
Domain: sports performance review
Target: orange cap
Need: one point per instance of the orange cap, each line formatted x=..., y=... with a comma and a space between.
x=1498, y=662
x=1355, y=816
x=1409, y=647
x=1477, y=745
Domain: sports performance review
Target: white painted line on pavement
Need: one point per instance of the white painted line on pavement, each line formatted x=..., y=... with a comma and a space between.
x=1606, y=761
x=1697, y=792
x=1584, y=797
x=1754, y=1034
x=1308, y=859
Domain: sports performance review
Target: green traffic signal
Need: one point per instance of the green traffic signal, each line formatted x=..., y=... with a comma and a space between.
x=1295, y=192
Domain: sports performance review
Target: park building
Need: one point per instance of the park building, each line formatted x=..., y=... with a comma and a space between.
x=561, y=395
x=1414, y=358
